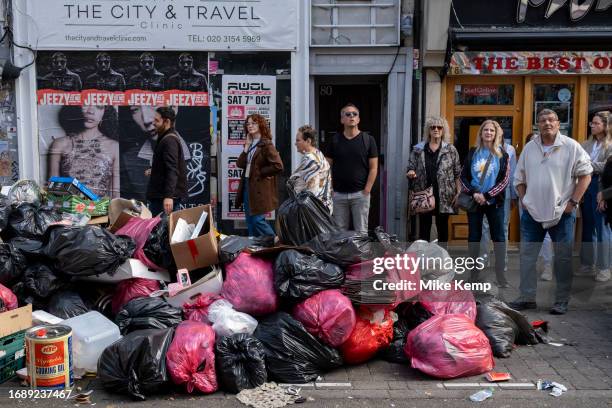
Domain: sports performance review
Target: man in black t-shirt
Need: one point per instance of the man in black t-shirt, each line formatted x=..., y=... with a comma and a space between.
x=353, y=156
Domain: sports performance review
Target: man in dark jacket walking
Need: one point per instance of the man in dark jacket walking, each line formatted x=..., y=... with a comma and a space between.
x=168, y=182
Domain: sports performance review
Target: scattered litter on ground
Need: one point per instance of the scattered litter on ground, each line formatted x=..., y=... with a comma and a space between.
x=482, y=395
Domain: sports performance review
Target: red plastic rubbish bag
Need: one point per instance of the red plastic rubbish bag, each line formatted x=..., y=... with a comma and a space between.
x=327, y=315
x=191, y=357
x=449, y=346
x=8, y=300
x=139, y=230
x=249, y=285
x=130, y=289
x=439, y=302
x=373, y=331
x=198, y=309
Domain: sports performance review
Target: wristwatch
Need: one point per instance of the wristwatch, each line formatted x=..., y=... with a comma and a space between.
x=571, y=200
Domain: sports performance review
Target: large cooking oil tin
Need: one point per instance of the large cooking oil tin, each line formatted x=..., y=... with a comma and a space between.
x=49, y=357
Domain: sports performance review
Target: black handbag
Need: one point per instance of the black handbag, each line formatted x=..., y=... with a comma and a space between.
x=465, y=201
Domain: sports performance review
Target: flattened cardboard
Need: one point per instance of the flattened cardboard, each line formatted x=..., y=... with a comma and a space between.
x=15, y=320
x=132, y=268
x=199, y=252
x=211, y=283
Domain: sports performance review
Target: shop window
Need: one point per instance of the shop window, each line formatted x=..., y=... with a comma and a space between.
x=558, y=97
x=485, y=94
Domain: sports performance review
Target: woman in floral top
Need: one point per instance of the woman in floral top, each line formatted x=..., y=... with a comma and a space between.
x=313, y=173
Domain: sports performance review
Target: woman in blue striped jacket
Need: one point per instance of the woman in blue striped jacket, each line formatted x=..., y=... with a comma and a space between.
x=484, y=176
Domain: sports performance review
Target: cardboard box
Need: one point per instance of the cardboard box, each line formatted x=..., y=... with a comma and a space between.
x=77, y=205
x=132, y=268
x=201, y=251
x=125, y=216
x=15, y=320
x=210, y=283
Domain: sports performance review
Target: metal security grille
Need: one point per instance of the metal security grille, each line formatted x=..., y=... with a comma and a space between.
x=351, y=23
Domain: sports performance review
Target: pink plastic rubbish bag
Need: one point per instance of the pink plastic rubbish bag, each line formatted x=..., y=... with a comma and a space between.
x=190, y=359
x=249, y=285
x=198, y=309
x=139, y=230
x=453, y=301
x=134, y=288
x=8, y=300
x=327, y=315
x=449, y=346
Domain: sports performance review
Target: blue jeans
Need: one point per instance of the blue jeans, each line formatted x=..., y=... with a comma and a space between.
x=156, y=206
x=256, y=224
x=546, y=251
x=596, y=235
x=532, y=235
x=486, y=235
x=495, y=216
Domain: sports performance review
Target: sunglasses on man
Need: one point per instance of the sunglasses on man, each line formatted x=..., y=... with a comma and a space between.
x=351, y=114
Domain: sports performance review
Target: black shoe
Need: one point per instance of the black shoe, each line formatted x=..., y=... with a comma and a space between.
x=502, y=285
x=559, y=308
x=520, y=305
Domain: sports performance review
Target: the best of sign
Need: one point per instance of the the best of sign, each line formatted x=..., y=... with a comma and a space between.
x=161, y=24
x=524, y=63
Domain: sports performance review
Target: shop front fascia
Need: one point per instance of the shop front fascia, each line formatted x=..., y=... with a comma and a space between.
x=253, y=42
x=509, y=59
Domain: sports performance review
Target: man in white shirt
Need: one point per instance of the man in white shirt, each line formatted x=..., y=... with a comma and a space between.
x=551, y=176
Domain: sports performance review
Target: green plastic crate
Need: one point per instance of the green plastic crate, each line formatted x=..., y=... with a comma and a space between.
x=12, y=355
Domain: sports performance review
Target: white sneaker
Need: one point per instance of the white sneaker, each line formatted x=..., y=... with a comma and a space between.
x=547, y=274
x=585, y=270
x=603, y=275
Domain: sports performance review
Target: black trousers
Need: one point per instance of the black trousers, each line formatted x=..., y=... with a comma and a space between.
x=425, y=221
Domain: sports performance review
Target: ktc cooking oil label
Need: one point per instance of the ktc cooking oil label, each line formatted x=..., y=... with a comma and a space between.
x=49, y=357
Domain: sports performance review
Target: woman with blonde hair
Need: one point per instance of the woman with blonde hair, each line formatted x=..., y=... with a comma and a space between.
x=596, y=235
x=484, y=177
x=434, y=163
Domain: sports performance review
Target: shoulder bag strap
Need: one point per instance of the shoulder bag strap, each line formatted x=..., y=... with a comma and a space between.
x=486, y=168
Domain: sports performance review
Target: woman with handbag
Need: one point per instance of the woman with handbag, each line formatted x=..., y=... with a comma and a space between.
x=261, y=163
x=433, y=171
x=484, y=178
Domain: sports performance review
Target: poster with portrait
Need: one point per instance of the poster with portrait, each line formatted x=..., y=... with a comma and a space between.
x=242, y=96
x=96, y=113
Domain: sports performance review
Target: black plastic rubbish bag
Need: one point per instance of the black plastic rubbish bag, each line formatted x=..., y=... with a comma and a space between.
x=30, y=221
x=302, y=217
x=502, y=325
x=230, y=247
x=299, y=276
x=5, y=212
x=241, y=362
x=293, y=355
x=342, y=248
x=31, y=249
x=147, y=313
x=136, y=364
x=12, y=264
x=410, y=315
x=88, y=250
x=66, y=304
x=41, y=281
x=157, y=246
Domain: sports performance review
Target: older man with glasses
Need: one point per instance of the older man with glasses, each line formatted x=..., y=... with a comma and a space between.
x=353, y=157
x=552, y=174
